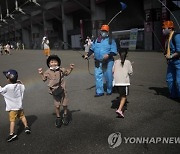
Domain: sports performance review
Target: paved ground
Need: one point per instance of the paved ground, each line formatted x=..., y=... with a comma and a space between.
x=150, y=113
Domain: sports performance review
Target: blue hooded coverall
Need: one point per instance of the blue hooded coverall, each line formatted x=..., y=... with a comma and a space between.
x=173, y=70
x=104, y=70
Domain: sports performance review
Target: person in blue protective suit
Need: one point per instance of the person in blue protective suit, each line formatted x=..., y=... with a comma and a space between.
x=173, y=59
x=104, y=48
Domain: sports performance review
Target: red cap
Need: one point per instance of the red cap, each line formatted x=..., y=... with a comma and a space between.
x=168, y=24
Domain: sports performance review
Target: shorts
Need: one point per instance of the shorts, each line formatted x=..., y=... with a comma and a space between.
x=47, y=52
x=60, y=99
x=13, y=115
x=123, y=90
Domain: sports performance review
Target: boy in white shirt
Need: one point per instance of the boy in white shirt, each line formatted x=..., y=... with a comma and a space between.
x=13, y=95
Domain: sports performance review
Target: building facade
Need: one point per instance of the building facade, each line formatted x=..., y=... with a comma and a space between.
x=68, y=22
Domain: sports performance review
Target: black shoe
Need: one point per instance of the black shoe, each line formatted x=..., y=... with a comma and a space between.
x=65, y=119
x=27, y=130
x=99, y=95
x=58, y=122
x=108, y=94
x=11, y=137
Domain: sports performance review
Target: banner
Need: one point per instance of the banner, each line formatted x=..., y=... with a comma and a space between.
x=133, y=39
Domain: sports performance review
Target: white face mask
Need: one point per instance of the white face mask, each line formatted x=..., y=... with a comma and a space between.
x=54, y=68
x=166, y=31
x=104, y=33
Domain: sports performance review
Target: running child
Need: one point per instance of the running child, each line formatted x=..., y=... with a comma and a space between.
x=13, y=95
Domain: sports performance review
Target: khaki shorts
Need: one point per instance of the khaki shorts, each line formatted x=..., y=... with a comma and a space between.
x=13, y=115
x=47, y=52
x=60, y=99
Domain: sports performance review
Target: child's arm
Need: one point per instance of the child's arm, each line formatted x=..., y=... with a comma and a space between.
x=130, y=69
x=0, y=89
x=68, y=71
x=40, y=70
x=3, y=90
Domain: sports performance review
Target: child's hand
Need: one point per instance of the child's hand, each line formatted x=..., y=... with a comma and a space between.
x=71, y=66
x=40, y=70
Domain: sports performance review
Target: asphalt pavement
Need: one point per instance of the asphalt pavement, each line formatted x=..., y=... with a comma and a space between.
x=151, y=124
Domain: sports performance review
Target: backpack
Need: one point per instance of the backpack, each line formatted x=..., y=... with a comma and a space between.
x=173, y=38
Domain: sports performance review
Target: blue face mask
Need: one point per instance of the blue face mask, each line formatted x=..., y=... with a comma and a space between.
x=104, y=34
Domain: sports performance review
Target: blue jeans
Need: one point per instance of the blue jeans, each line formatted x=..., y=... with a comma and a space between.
x=102, y=73
x=173, y=78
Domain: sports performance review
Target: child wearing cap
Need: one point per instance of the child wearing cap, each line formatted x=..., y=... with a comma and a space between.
x=55, y=76
x=13, y=95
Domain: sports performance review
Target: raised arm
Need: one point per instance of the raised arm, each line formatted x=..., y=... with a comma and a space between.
x=40, y=71
x=68, y=71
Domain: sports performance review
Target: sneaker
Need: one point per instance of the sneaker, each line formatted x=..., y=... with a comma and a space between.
x=99, y=95
x=108, y=94
x=65, y=119
x=58, y=122
x=11, y=137
x=27, y=130
x=120, y=113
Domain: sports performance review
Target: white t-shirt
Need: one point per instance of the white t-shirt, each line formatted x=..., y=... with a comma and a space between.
x=13, y=96
x=45, y=44
x=88, y=41
x=8, y=47
x=122, y=73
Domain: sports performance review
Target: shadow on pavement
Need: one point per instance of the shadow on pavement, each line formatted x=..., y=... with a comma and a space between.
x=69, y=114
x=163, y=91
x=91, y=87
x=30, y=119
x=115, y=105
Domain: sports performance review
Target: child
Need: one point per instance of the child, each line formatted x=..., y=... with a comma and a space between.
x=122, y=69
x=13, y=95
x=55, y=75
x=8, y=49
x=87, y=44
x=45, y=43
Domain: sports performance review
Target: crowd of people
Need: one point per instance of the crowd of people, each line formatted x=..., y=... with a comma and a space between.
x=115, y=73
x=5, y=48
